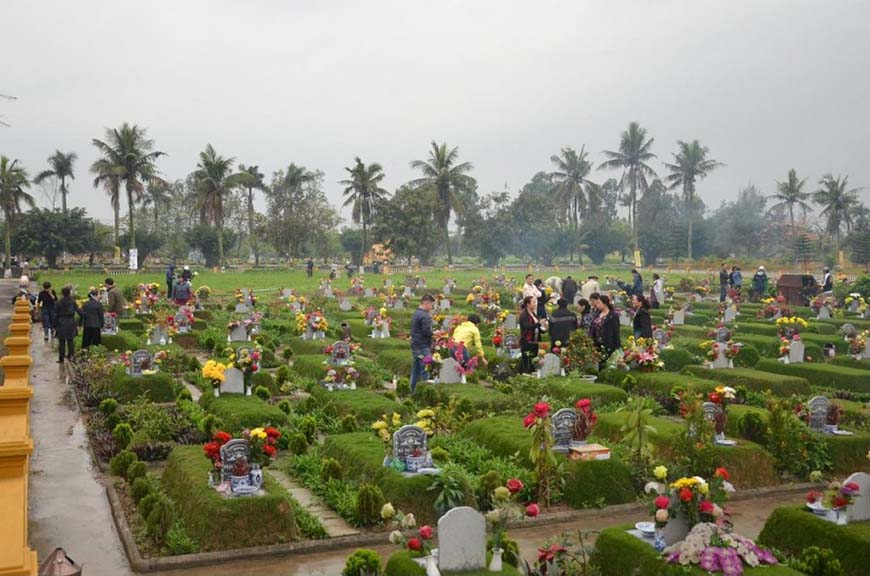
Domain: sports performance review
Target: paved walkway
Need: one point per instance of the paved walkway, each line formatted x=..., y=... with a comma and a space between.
x=334, y=524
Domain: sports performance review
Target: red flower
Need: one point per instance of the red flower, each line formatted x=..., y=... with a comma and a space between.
x=212, y=450
x=584, y=404
x=273, y=432
x=839, y=501
x=514, y=485
x=426, y=532
x=542, y=409
x=549, y=554
x=813, y=496
x=496, y=341
x=414, y=544
x=715, y=398
x=722, y=473
x=685, y=494
x=532, y=510
x=269, y=450
x=662, y=502
x=221, y=437
x=706, y=507
x=529, y=420
x=852, y=486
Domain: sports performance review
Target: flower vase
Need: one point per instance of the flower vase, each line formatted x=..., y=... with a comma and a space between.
x=216, y=391
x=247, y=390
x=495, y=564
x=841, y=516
x=463, y=380
x=432, y=566
x=659, y=542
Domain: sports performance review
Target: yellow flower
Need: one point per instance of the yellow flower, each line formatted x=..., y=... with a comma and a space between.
x=660, y=472
x=397, y=419
x=436, y=357
x=704, y=488
x=379, y=425
x=385, y=436
x=426, y=413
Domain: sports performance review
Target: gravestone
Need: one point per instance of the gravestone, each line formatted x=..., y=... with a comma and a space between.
x=551, y=365
x=445, y=324
x=233, y=450
x=408, y=441
x=328, y=292
x=510, y=321
x=818, y=408
x=796, y=350
x=158, y=335
x=407, y=292
x=679, y=317
x=371, y=314
x=295, y=307
x=446, y=290
x=866, y=314
x=449, y=372
x=246, y=294
x=182, y=322
x=512, y=344
x=382, y=332
x=241, y=308
x=398, y=304
x=239, y=334
x=711, y=411
x=345, y=305
x=722, y=334
x=661, y=337
x=866, y=352
x=859, y=511
x=340, y=353
x=730, y=315
x=563, y=422
x=853, y=305
x=110, y=324
x=369, y=293
x=848, y=330
x=286, y=293
x=234, y=381
x=824, y=313
x=141, y=360
x=624, y=319
x=721, y=361
x=462, y=540
x=444, y=304
x=777, y=316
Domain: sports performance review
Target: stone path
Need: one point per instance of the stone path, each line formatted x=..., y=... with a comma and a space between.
x=195, y=392
x=334, y=524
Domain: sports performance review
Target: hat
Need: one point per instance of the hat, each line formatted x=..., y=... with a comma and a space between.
x=761, y=268
x=187, y=267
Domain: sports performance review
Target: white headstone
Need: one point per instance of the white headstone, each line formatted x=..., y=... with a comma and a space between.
x=286, y=293
x=551, y=365
x=510, y=322
x=110, y=324
x=398, y=305
x=295, y=307
x=679, y=317
x=859, y=511
x=462, y=540
x=824, y=313
x=345, y=305
x=445, y=304
x=661, y=337
x=234, y=381
x=369, y=293
x=447, y=288
x=407, y=292
x=328, y=292
x=241, y=308
x=866, y=352
x=239, y=334
x=796, y=350
x=624, y=319
x=730, y=315
x=721, y=361
x=388, y=283
x=449, y=372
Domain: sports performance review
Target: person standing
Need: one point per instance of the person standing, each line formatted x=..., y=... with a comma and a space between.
x=529, y=288
x=594, y=310
x=636, y=282
x=827, y=281
x=585, y=317
x=657, y=294
x=181, y=293
x=605, y=330
x=46, y=301
x=117, y=304
x=530, y=328
x=736, y=279
x=542, y=299
x=186, y=274
x=469, y=335
x=309, y=267
x=642, y=322
x=590, y=287
x=170, y=280
x=421, y=339
x=65, y=327
x=569, y=289
x=759, y=283
x=724, y=281
x=561, y=323
x=92, y=320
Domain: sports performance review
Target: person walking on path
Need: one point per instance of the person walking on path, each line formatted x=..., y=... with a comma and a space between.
x=117, y=304
x=530, y=328
x=93, y=318
x=642, y=322
x=561, y=323
x=657, y=294
x=65, y=327
x=724, y=282
x=469, y=335
x=590, y=287
x=605, y=330
x=421, y=339
x=759, y=284
x=46, y=302
x=569, y=289
x=170, y=280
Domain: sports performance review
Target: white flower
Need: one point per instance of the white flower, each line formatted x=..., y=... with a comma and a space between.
x=655, y=487
x=396, y=537
x=409, y=521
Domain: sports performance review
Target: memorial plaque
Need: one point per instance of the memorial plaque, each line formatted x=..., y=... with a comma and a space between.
x=563, y=422
x=818, y=408
x=233, y=450
x=409, y=440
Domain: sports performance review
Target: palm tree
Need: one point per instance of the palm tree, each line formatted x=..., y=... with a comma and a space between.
x=790, y=194
x=364, y=193
x=252, y=179
x=690, y=164
x=13, y=181
x=570, y=178
x=157, y=194
x=214, y=180
x=128, y=157
x=443, y=176
x=631, y=158
x=837, y=204
x=61, y=168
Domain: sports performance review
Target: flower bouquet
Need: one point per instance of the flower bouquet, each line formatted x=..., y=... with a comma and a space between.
x=506, y=510
x=585, y=422
x=419, y=545
x=834, y=501
x=788, y=326
x=384, y=428
x=263, y=443
x=342, y=377
x=213, y=372
x=642, y=354
x=714, y=548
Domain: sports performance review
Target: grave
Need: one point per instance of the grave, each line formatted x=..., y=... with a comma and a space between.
x=234, y=381
x=241, y=308
x=411, y=447
x=796, y=350
x=182, y=322
x=730, y=315
x=512, y=344
x=777, y=316
x=859, y=511
x=712, y=411
x=295, y=307
x=723, y=334
x=444, y=304
x=110, y=324
x=449, y=372
x=866, y=352
x=407, y=292
x=624, y=318
x=721, y=360
x=824, y=313
x=158, y=335
x=447, y=289
x=234, y=451
x=286, y=293
x=231, y=451
x=141, y=360
x=551, y=365
x=853, y=305
x=239, y=334
x=382, y=332
x=562, y=423
x=328, y=292
x=340, y=354
x=510, y=321
x=679, y=317
x=345, y=305
x=661, y=337
x=369, y=293
x=388, y=283
x=398, y=305
x=818, y=409
x=462, y=540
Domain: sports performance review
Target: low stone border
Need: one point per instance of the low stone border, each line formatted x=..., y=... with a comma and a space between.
x=140, y=564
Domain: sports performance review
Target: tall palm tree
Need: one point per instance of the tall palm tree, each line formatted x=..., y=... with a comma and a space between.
x=129, y=158
x=790, y=194
x=157, y=194
x=690, y=164
x=631, y=158
x=61, y=168
x=252, y=179
x=214, y=180
x=447, y=179
x=569, y=180
x=13, y=181
x=838, y=204
x=363, y=191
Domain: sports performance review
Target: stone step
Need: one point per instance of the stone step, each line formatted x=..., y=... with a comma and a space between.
x=194, y=391
x=333, y=524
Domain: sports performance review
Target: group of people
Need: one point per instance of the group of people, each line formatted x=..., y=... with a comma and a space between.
x=179, y=290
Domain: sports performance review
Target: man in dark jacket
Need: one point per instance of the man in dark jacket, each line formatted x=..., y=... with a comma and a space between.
x=92, y=320
x=759, y=283
x=569, y=289
x=636, y=283
x=116, y=298
x=170, y=280
x=724, y=281
x=562, y=323
x=421, y=339
x=309, y=268
x=65, y=324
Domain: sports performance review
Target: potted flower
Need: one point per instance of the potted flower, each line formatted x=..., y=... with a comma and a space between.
x=506, y=511
x=585, y=422
x=419, y=545
x=239, y=478
x=832, y=419
x=838, y=497
x=214, y=372
x=212, y=451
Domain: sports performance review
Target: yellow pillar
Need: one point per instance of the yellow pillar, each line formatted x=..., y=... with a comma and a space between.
x=21, y=318
x=17, y=345
x=19, y=329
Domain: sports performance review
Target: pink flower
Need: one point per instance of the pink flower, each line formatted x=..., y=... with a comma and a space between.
x=514, y=485
x=532, y=510
x=414, y=544
x=529, y=420
x=426, y=532
x=584, y=404
x=542, y=409
x=706, y=507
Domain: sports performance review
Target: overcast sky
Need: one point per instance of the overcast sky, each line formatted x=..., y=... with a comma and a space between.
x=767, y=85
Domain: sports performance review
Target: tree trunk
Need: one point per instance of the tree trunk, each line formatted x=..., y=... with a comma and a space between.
x=63, y=192
x=220, y=227
x=156, y=220
x=132, y=230
x=447, y=240
x=117, y=233
x=690, y=238
x=253, y=238
x=634, y=214
x=8, y=238
x=362, y=255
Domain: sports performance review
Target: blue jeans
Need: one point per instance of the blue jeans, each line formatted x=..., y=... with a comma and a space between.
x=418, y=370
x=723, y=291
x=47, y=321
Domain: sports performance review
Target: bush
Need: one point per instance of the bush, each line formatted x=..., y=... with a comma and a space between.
x=815, y=561
x=598, y=483
x=822, y=374
x=240, y=412
x=146, y=504
x=140, y=488
x=283, y=374
x=263, y=393
x=330, y=469
x=211, y=424
x=748, y=356
x=349, y=423
x=369, y=501
x=160, y=519
x=177, y=540
x=264, y=379
x=366, y=406
x=284, y=406
x=135, y=471
x=120, y=462
x=298, y=444
x=753, y=428
x=676, y=359
x=122, y=434
x=159, y=387
x=363, y=563
x=755, y=380
x=308, y=426
x=108, y=407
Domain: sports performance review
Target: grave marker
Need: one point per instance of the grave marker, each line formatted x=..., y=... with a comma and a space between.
x=141, y=360
x=369, y=293
x=730, y=315
x=410, y=441
x=110, y=324
x=286, y=293
x=241, y=308
x=859, y=511
x=721, y=361
x=563, y=422
x=239, y=334
x=796, y=350
x=444, y=304
x=818, y=408
x=661, y=337
x=345, y=305
x=551, y=365
x=462, y=540
x=824, y=313
x=624, y=318
x=233, y=450
x=158, y=336
x=449, y=372
x=234, y=381
x=510, y=321
x=679, y=317
x=398, y=304
x=340, y=353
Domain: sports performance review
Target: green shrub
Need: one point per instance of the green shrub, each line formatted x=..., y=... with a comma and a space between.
x=366, y=406
x=284, y=406
x=283, y=374
x=308, y=426
x=822, y=374
x=264, y=379
x=369, y=501
x=748, y=356
x=108, y=407
x=135, y=471
x=211, y=424
x=183, y=394
x=298, y=444
x=753, y=427
x=240, y=412
x=146, y=504
x=263, y=393
x=122, y=434
x=676, y=359
x=159, y=387
x=756, y=380
x=178, y=541
x=140, y=488
x=330, y=469
x=598, y=483
x=120, y=462
x=571, y=389
x=815, y=561
x=362, y=563
x=402, y=564
x=349, y=423
x=160, y=519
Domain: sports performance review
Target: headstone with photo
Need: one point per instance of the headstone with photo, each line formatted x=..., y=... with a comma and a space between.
x=462, y=540
x=796, y=351
x=239, y=334
x=449, y=372
x=410, y=442
x=661, y=337
x=551, y=365
x=340, y=353
x=182, y=322
x=234, y=381
x=723, y=334
x=510, y=321
x=110, y=324
x=563, y=422
x=141, y=360
x=818, y=408
x=679, y=317
x=231, y=451
x=721, y=361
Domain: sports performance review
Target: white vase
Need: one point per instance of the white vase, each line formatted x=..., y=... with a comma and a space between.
x=495, y=565
x=432, y=566
x=216, y=391
x=463, y=380
x=247, y=390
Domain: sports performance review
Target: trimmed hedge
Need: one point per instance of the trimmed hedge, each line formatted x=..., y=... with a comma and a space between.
x=158, y=387
x=117, y=342
x=366, y=406
x=618, y=553
x=822, y=374
x=663, y=382
x=676, y=359
x=133, y=325
x=755, y=380
x=401, y=564
x=849, y=453
x=480, y=397
x=793, y=529
x=218, y=523
x=239, y=412
x=570, y=389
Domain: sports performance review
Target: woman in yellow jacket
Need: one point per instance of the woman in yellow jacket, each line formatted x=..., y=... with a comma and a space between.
x=469, y=335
